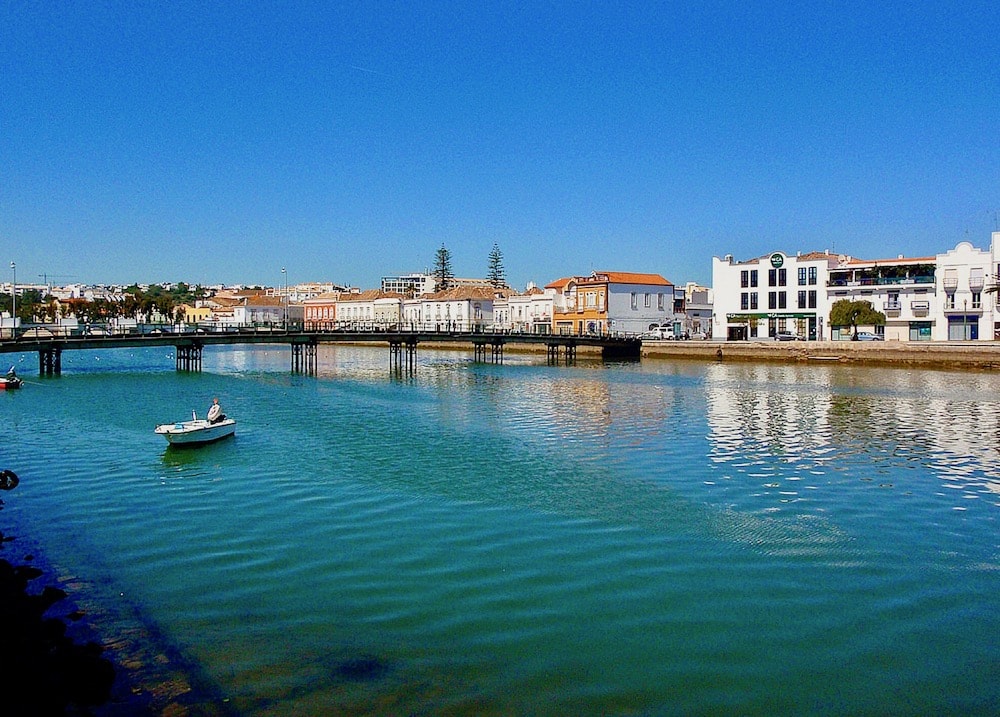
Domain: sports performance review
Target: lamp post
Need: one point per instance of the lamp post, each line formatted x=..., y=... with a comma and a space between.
x=13, y=302
x=284, y=300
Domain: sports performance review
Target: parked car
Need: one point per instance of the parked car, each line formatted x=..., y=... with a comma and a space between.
x=787, y=336
x=660, y=333
x=868, y=336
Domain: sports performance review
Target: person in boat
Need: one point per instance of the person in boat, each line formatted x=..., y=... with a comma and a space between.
x=11, y=374
x=215, y=413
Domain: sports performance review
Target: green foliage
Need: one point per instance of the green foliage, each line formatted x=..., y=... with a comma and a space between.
x=851, y=313
x=442, y=269
x=495, y=271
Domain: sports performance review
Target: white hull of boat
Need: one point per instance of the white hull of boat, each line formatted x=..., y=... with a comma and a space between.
x=189, y=433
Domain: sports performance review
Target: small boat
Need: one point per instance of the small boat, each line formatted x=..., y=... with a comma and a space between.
x=9, y=383
x=197, y=431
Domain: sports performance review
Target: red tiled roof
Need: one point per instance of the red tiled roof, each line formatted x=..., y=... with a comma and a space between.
x=629, y=277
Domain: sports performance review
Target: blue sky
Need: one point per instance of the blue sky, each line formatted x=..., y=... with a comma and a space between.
x=220, y=142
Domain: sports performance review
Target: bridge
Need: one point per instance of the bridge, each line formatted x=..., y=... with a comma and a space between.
x=188, y=345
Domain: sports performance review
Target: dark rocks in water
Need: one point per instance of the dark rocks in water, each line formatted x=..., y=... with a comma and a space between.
x=361, y=669
x=44, y=671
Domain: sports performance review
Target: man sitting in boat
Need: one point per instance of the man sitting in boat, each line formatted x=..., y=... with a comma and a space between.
x=215, y=413
x=11, y=374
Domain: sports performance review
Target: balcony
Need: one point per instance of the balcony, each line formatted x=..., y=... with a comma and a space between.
x=879, y=281
x=920, y=308
x=892, y=307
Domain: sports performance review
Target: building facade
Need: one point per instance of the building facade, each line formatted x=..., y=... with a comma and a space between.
x=763, y=297
x=947, y=297
x=461, y=308
x=613, y=302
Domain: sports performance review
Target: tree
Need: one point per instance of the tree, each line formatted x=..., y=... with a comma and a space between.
x=851, y=313
x=495, y=273
x=442, y=269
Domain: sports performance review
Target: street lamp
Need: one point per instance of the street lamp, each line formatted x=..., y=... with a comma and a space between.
x=284, y=300
x=13, y=302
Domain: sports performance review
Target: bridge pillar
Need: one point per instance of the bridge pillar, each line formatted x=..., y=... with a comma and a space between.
x=403, y=354
x=304, y=358
x=50, y=361
x=553, y=355
x=187, y=358
x=495, y=352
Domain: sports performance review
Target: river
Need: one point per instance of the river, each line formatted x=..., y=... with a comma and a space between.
x=649, y=538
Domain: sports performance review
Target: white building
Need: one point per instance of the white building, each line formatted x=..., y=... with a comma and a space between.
x=944, y=297
x=409, y=284
x=462, y=308
x=902, y=288
x=778, y=292
x=369, y=309
x=968, y=310
x=530, y=312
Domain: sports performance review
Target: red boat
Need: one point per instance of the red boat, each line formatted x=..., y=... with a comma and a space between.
x=9, y=383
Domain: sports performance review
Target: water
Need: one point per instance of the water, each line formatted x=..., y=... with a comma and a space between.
x=637, y=539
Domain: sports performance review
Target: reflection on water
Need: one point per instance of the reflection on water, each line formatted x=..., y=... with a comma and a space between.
x=858, y=420
x=654, y=538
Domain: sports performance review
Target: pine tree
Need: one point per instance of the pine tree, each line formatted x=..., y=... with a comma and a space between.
x=495, y=273
x=442, y=269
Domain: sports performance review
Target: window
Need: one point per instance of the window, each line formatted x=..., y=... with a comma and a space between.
x=802, y=294
x=977, y=299
x=744, y=279
x=659, y=302
x=647, y=300
x=802, y=276
x=753, y=300
x=772, y=299
x=772, y=277
x=635, y=300
x=591, y=299
x=753, y=277
x=812, y=299
x=949, y=301
x=782, y=300
x=782, y=277
x=812, y=276
x=744, y=301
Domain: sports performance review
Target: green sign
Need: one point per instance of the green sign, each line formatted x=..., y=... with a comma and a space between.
x=777, y=260
x=739, y=318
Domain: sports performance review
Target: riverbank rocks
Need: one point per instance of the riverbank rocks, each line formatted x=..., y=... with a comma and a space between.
x=43, y=671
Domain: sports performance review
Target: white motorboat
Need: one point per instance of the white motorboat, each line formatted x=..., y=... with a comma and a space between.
x=196, y=431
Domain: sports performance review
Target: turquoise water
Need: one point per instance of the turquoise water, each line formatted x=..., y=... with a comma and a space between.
x=636, y=539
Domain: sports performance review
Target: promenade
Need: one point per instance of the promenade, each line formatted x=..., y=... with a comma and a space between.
x=955, y=355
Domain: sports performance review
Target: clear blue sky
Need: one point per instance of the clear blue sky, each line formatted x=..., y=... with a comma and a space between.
x=218, y=142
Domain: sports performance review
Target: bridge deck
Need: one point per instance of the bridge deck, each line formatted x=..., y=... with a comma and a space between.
x=188, y=344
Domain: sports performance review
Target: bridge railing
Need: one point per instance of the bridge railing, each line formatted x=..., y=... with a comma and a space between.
x=41, y=332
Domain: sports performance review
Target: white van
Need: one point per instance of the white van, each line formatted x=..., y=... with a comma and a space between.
x=660, y=333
